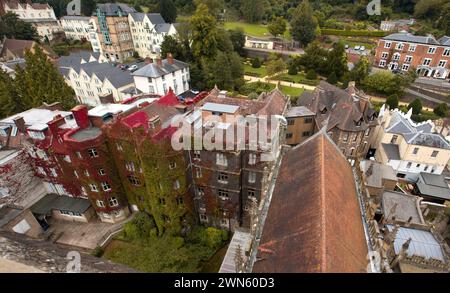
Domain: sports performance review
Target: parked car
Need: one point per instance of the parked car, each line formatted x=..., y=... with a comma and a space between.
x=346, y=46
x=362, y=48
x=133, y=68
x=357, y=48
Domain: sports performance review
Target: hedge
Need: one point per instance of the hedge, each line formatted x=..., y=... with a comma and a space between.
x=255, y=74
x=301, y=81
x=353, y=33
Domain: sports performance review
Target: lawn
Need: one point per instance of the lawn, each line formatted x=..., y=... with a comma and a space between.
x=259, y=87
x=255, y=30
x=298, y=78
x=292, y=91
x=261, y=71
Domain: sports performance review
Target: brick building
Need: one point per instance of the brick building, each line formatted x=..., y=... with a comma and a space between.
x=225, y=182
x=347, y=115
x=404, y=51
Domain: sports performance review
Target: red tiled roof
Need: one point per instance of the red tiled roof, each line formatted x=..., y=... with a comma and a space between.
x=139, y=118
x=314, y=220
x=170, y=99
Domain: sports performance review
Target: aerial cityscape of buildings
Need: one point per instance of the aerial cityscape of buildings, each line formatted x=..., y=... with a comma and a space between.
x=327, y=178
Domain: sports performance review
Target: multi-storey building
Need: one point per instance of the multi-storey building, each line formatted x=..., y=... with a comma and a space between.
x=404, y=51
x=148, y=31
x=95, y=40
x=40, y=15
x=92, y=77
x=113, y=30
x=159, y=77
x=228, y=183
x=396, y=25
x=300, y=125
x=76, y=27
x=347, y=115
x=410, y=148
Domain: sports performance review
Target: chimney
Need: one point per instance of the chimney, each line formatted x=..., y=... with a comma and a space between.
x=351, y=88
x=106, y=99
x=170, y=58
x=57, y=121
x=80, y=113
x=159, y=62
x=148, y=60
x=20, y=124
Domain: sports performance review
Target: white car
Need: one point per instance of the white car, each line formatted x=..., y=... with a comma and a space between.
x=357, y=48
x=133, y=67
x=362, y=48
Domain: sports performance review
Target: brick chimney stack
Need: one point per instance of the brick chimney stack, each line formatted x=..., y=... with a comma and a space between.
x=20, y=124
x=170, y=58
x=148, y=60
x=80, y=113
x=159, y=62
x=57, y=121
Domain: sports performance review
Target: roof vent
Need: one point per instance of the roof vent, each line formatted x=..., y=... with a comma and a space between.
x=223, y=94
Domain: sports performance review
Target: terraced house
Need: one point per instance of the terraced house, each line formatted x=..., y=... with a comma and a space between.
x=404, y=51
x=148, y=31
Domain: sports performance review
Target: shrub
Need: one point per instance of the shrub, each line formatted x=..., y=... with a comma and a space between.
x=311, y=74
x=441, y=110
x=353, y=33
x=292, y=70
x=256, y=62
x=140, y=228
x=253, y=96
x=392, y=101
x=255, y=74
x=416, y=106
x=332, y=78
x=98, y=251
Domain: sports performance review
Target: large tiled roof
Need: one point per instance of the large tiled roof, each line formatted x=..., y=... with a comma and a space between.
x=75, y=59
x=153, y=70
x=445, y=41
x=407, y=37
x=341, y=109
x=17, y=47
x=433, y=185
x=400, y=207
x=314, y=219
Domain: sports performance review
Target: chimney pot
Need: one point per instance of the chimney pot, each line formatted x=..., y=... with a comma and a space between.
x=159, y=62
x=170, y=58
x=148, y=60
x=80, y=113
x=20, y=124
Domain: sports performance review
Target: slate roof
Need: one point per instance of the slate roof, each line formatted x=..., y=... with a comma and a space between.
x=391, y=151
x=17, y=47
x=445, y=41
x=314, y=220
x=156, y=18
x=163, y=27
x=407, y=37
x=58, y=202
x=433, y=185
x=75, y=59
x=299, y=112
x=153, y=70
x=379, y=172
x=342, y=109
x=112, y=9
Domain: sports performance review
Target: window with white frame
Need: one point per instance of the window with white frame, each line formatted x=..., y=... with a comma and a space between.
x=93, y=153
x=106, y=186
x=221, y=159
x=130, y=166
x=172, y=165
x=387, y=44
x=223, y=194
x=36, y=135
x=446, y=52
x=53, y=171
x=83, y=191
x=408, y=59
x=434, y=154
x=384, y=55
x=382, y=63
x=197, y=155
x=93, y=187
x=203, y=218
x=200, y=191
x=412, y=48
x=41, y=171
x=405, y=67
x=100, y=203
x=101, y=171
x=396, y=57
x=42, y=155
x=222, y=177
x=426, y=61
x=442, y=63
x=252, y=159
x=113, y=202
x=134, y=180
x=251, y=177
x=67, y=159
x=119, y=146
x=79, y=155
x=176, y=185
x=400, y=46
x=431, y=50
x=86, y=173
x=198, y=172
x=76, y=174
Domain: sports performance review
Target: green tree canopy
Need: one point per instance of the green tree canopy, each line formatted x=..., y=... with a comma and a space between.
x=12, y=27
x=392, y=101
x=168, y=10
x=441, y=110
x=303, y=24
x=277, y=27
x=204, y=33
x=253, y=10
x=360, y=71
x=416, y=106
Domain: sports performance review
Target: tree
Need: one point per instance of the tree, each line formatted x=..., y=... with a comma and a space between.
x=441, y=110
x=277, y=26
x=332, y=78
x=41, y=82
x=416, y=106
x=215, y=7
x=275, y=65
x=204, y=33
x=392, y=101
x=12, y=27
x=292, y=68
x=237, y=38
x=384, y=83
x=360, y=71
x=303, y=24
x=311, y=74
x=337, y=60
x=171, y=45
x=256, y=62
x=168, y=10
x=10, y=102
x=253, y=10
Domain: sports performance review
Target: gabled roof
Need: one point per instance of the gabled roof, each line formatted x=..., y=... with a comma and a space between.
x=153, y=70
x=17, y=47
x=445, y=41
x=433, y=185
x=335, y=107
x=113, y=9
x=407, y=37
x=314, y=219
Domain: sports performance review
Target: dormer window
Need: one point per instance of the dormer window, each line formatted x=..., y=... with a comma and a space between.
x=36, y=135
x=155, y=122
x=324, y=111
x=359, y=122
